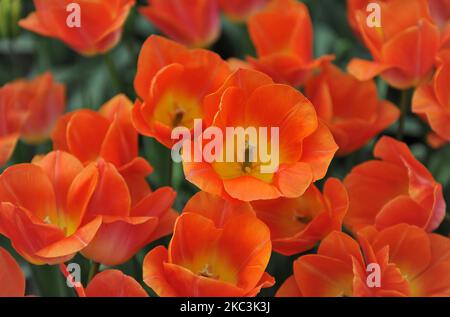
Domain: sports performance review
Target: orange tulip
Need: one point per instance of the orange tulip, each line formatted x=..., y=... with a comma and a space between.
x=99, y=30
x=283, y=37
x=439, y=10
x=431, y=101
x=45, y=101
x=395, y=189
x=108, y=134
x=172, y=82
x=297, y=224
x=338, y=98
x=238, y=10
x=403, y=48
x=126, y=227
x=42, y=205
x=29, y=109
x=223, y=258
x=250, y=99
x=12, y=116
x=113, y=283
x=12, y=279
x=410, y=261
x=422, y=259
x=195, y=23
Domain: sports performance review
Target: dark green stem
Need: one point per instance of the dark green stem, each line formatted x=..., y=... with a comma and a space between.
x=12, y=58
x=93, y=270
x=404, y=103
x=113, y=72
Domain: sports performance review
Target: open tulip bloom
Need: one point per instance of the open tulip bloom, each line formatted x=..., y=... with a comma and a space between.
x=224, y=148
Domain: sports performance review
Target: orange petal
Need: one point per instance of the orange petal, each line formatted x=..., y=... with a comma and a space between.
x=67, y=247
x=111, y=196
x=422, y=186
x=156, y=53
x=435, y=279
x=28, y=186
x=154, y=274
x=188, y=284
x=365, y=203
x=365, y=70
x=7, y=146
x=401, y=209
x=200, y=18
x=130, y=233
x=340, y=246
x=250, y=259
x=248, y=80
x=216, y=208
x=12, y=278
x=409, y=248
x=113, y=283
x=28, y=235
x=283, y=26
x=319, y=275
x=61, y=168
x=318, y=151
x=417, y=62
x=86, y=131
x=289, y=288
x=79, y=196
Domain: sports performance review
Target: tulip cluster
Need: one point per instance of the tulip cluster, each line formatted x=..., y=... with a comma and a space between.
x=357, y=225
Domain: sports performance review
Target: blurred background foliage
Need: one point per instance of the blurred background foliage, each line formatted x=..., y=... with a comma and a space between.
x=92, y=81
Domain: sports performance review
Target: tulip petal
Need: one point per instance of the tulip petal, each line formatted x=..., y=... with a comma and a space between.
x=319, y=275
x=12, y=278
x=113, y=283
x=289, y=288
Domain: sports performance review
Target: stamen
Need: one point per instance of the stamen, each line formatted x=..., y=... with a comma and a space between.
x=303, y=219
x=205, y=272
x=178, y=117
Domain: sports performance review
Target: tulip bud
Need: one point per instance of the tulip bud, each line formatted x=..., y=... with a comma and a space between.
x=10, y=11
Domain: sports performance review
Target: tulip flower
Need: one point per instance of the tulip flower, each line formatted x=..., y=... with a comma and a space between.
x=29, y=110
x=195, y=23
x=238, y=10
x=403, y=48
x=283, y=37
x=42, y=205
x=12, y=116
x=12, y=280
x=338, y=97
x=108, y=134
x=250, y=99
x=126, y=227
x=297, y=224
x=431, y=101
x=172, y=82
x=89, y=27
x=407, y=261
x=394, y=189
x=439, y=10
x=221, y=259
